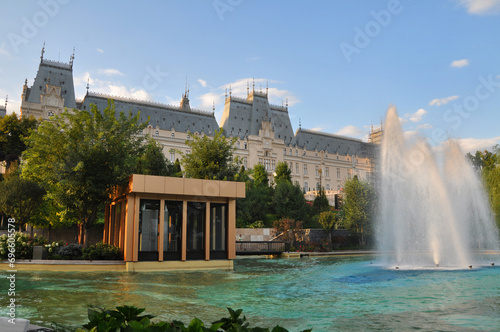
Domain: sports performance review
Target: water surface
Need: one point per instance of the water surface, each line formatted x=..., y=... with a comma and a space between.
x=326, y=294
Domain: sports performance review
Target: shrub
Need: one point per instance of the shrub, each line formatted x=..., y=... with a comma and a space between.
x=69, y=251
x=129, y=318
x=102, y=251
x=23, y=245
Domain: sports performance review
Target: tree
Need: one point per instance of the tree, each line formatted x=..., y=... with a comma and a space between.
x=210, y=158
x=259, y=175
x=176, y=170
x=282, y=172
x=152, y=160
x=327, y=220
x=20, y=199
x=13, y=132
x=490, y=175
x=289, y=201
x=81, y=156
x=255, y=206
x=321, y=203
x=358, y=207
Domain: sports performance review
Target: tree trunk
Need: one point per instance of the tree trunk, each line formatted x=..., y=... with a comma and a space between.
x=81, y=234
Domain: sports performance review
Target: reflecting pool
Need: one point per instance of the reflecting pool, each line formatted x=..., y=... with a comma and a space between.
x=326, y=294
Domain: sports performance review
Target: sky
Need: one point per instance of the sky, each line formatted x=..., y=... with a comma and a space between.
x=339, y=64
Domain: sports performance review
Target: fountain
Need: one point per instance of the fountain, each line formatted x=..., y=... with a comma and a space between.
x=430, y=215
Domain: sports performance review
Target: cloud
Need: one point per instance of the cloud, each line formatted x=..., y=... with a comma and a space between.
x=424, y=126
x=3, y=50
x=480, y=7
x=110, y=72
x=123, y=91
x=459, y=63
x=477, y=144
x=100, y=51
x=111, y=87
x=238, y=88
x=442, y=101
x=202, y=82
x=413, y=117
x=351, y=131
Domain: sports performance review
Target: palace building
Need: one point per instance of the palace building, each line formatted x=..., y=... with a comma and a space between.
x=264, y=131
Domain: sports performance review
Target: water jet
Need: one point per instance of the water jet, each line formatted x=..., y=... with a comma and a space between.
x=432, y=212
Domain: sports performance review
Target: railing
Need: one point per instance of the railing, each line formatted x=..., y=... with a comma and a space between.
x=261, y=247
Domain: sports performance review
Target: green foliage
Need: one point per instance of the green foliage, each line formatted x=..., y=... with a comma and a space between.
x=320, y=202
x=80, y=156
x=210, y=158
x=255, y=205
x=21, y=199
x=130, y=319
x=289, y=201
x=13, y=132
x=70, y=251
x=102, y=251
x=328, y=220
x=243, y=175
x=283, y=173
x=259, y=175
x=359, y=207
x=152, y=161
x=490, y=175
x=23, y=245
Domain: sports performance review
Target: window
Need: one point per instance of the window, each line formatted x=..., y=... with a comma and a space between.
x=327, y=186
x=290, y=152
x=172, y=156
x=327, y=172
x=267, y=165
x=50, y=114
x=187, y=152
x=297, y=168
x=245, y=162
x=245, y=145
x=296, y=152
x=326, y=155
x=338, y=173
x=187, y=137
x=218, y=230
x=349, y=173
x=149, y=216
x=316, y=170
x=172, y=230
x=306, y=187
x=284, y=151
x=172, y=135
x=260, y=161
x=273, y=164
x=238, y=144
x=195, y=230
x=305, y=169
x=157, y=132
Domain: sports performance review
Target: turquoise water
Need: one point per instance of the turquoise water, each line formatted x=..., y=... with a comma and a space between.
x=326, y=294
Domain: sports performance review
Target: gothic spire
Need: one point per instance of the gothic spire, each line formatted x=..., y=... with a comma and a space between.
x=72, y=58
x=43, y=51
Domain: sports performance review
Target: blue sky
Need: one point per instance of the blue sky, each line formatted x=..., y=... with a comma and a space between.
x=341, y=64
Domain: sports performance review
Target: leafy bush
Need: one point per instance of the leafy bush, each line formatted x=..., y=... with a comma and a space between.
x=23, y=245
x=102, y=251
x=69, y=251
x=129, y=319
